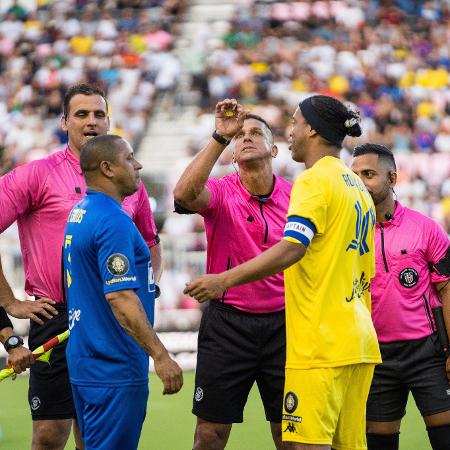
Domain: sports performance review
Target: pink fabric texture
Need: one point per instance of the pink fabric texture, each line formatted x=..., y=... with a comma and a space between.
x=239, y=227
x=40, y=195
x=402, y=289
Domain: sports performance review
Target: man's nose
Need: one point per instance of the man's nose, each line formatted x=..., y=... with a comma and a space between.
x=91, y=118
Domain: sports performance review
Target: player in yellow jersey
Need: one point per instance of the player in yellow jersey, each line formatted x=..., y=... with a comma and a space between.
x=327, y=253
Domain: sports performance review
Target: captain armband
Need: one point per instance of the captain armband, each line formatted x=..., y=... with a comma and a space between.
x=442, y=267
x=300, y=230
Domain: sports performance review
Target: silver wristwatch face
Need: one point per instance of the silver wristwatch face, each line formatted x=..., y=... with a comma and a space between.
x=13, y=341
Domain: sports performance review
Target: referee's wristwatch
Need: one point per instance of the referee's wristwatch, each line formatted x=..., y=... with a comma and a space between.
x=220, y=139
x=13, y=342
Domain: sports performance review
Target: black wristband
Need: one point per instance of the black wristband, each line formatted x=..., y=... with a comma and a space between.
x=157, y=291
x=220, y=139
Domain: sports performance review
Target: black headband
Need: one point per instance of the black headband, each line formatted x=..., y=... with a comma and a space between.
x=324, y=128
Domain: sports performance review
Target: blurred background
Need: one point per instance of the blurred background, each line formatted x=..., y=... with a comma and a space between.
x=165, y=63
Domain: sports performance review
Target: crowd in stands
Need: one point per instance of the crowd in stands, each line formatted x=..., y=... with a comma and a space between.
x=125, y=47
x=389, y=58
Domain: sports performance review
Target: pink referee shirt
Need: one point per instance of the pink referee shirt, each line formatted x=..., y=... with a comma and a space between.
x=239, y=227
x=402, y=289
x=40, y=195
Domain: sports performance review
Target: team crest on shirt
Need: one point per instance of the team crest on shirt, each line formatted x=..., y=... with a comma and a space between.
x=290, y=402
x=117, y=264
x=408, y=277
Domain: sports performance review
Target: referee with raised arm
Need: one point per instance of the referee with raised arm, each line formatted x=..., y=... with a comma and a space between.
x=327, y=255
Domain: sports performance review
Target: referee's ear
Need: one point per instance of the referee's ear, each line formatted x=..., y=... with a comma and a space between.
x=274, y=151
x=392, y=178
x=64, y=123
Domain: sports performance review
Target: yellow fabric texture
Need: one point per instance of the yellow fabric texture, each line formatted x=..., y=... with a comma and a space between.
x=328, y=304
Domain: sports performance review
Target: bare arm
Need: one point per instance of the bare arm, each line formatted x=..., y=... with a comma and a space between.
x=191, y=191
x=444, y=294
x=155, y=253
x=24, y=309
x=6, y=295
x=5, y=333
x=20, y=357
x=274, y=260
x=129, y=312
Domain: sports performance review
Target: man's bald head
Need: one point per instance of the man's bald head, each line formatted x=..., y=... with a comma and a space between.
x=98, y=149
x=109, y=166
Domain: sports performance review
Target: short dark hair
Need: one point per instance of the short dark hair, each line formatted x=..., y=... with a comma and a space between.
x=256, y=117
x=83, y=89
x=260, y=119
x=383, y=153
x=98, y=149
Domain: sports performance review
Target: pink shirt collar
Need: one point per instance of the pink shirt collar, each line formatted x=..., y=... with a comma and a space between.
x=274, y=195
x=398, y=215
x=73, y=159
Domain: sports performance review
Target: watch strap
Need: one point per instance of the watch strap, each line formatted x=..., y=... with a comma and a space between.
x=8, y=346
x=220, y=139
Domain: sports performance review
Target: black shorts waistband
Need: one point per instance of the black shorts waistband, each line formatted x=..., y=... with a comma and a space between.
x=58, y=306
x=409, y=341
x=227, y=307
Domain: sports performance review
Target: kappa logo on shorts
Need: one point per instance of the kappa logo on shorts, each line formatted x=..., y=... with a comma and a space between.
x=290, y=428
x=117, y=264
x=35, y=403
x=448, y=391
x=290, y=402
x=408, y=277
x=198, y=394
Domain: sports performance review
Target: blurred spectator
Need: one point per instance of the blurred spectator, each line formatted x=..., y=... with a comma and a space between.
x=396, y=71
x=42, y=52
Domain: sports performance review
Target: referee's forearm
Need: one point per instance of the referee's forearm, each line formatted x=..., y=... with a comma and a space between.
x=193, y=179
x=6, y=294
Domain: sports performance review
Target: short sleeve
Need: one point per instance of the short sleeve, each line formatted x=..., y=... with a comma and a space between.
x=19, y=192
x=308, y=201
x=144, y=220
x=437, y=248
x=215, y=187
x=115, y=239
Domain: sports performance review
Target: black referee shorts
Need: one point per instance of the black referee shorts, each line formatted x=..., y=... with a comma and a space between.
x=235, y=349
x=49, y=392
x=416, y=366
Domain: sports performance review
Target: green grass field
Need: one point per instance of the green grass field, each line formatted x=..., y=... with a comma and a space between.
x=170, y=424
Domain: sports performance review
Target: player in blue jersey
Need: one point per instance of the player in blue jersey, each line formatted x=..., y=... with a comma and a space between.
x=111, y=293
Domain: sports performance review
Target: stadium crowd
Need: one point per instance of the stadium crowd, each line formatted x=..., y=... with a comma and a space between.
x=125, y=47
x=391, y=59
